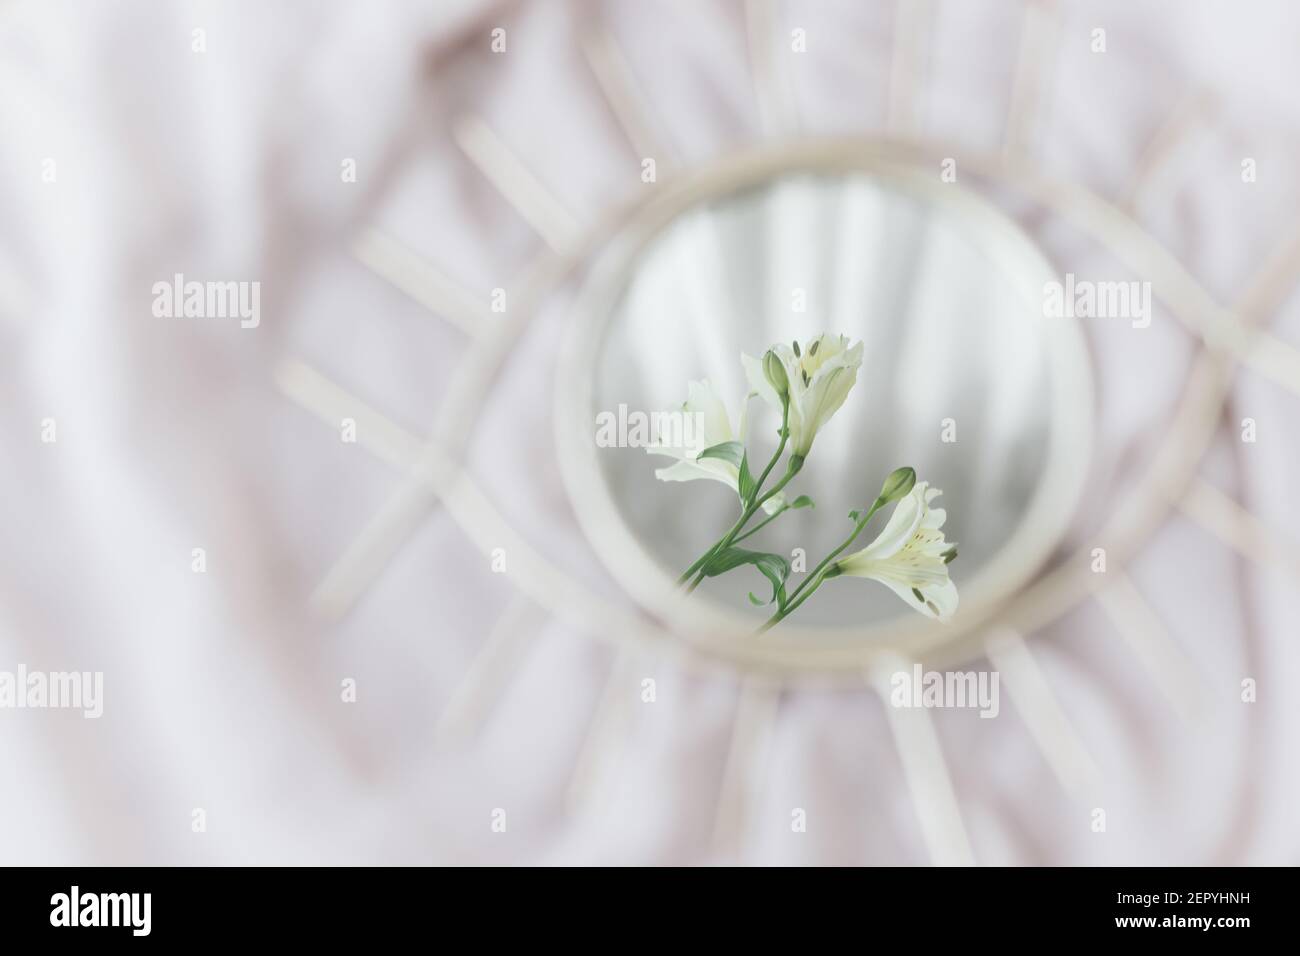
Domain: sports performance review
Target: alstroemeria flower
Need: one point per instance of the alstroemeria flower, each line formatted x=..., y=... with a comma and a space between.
x=820, y=376
x=714, y=428
x=910, y=557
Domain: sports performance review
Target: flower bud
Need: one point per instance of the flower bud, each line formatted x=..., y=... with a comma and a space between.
x=774, y=370
x=898, y=484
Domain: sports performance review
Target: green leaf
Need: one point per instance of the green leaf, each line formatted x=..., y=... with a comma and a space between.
x=732, y=451
x=747, y=486
x=803, y=501
x=774, y=567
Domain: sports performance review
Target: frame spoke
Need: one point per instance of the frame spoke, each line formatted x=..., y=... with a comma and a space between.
x=504, y=170
x=926, y=772
x=1041, y=711
x=488, y=674
x=626, y=99
x=1149, y=639
x=414, y=275
x=756, y=708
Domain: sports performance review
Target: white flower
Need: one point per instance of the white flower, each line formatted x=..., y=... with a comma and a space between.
x=820, y=376
x=710, y=426
x=910, y=557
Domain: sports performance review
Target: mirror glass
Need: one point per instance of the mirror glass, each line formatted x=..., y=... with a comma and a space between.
x=956, y=378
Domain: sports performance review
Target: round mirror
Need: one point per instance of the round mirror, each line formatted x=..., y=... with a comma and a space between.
x=962, y=378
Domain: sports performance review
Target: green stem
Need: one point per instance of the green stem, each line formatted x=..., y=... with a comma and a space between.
x=785, y=437
x=813, y=585
x=779, y=616
x=717, y=546
x=761, y=525
x=727, y=539
x=700, y=561
x=730, y=539
x=814, y=580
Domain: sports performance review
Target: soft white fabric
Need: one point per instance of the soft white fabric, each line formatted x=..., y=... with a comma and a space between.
x=222, y=693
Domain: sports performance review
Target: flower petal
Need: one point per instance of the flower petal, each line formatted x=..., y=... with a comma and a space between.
x=902, y=524
x=758, y=382
x=705, y=402
x=823, y=400
x=944, y=599
x=711, y=468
